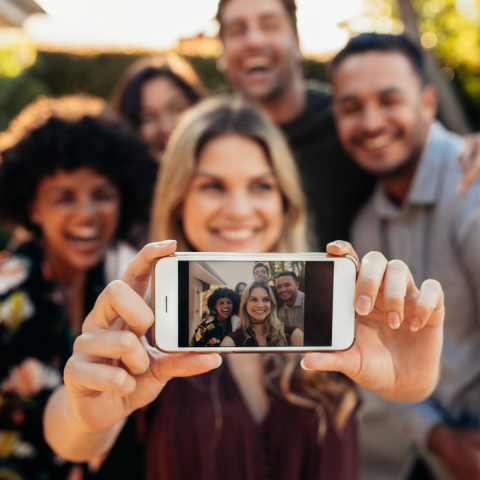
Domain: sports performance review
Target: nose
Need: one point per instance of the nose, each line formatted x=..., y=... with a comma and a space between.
x=165, y=124
x=86, y=208
x=238, y=206
x=254, y=37
x=372, y=119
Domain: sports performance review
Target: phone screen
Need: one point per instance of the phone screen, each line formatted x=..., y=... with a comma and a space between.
x=248, y=304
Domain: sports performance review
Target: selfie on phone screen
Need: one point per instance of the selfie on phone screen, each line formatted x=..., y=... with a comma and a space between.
x=247, y=304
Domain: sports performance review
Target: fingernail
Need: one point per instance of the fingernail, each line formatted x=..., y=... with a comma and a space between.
x=415, y=324
x=337, y=243
x=393, y=319
x=302, y=363
x=166, y=242
x=363, y=305
x=219, y=360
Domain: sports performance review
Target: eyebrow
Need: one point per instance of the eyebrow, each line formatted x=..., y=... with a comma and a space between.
x=263, y=16
x=385, y=91
x=63, y=188
x=212, y=175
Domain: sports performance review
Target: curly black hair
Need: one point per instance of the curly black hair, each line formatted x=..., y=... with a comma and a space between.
x=224, y=293
x=104, y=145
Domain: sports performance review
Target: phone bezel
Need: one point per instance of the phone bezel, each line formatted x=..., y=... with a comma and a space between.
x=165, y=289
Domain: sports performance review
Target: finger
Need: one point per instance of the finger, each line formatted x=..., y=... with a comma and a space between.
x=396, y=280
x=167, y=366
x=85, y=376
x=372, y=270
x=469, y=161
x=119, y=300
x=429, y=299
x=137, y=274
x=115, y=345
x=342, y=362
x=340, y=248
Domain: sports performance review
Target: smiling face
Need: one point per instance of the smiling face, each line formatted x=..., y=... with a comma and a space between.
x=234, y=202
x=382, y=111
x=260, y=274
x=287, y=288
x=224, y=307
x=162, y=105
x=78, y=213
x=259, y=305
x=261, y=51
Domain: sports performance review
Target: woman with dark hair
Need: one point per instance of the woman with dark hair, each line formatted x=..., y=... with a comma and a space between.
x=152, y=96
x=222, y=318
x=79, y=186
x=240, y=287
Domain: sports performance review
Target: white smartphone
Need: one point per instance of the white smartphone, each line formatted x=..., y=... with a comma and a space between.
x=228, y=302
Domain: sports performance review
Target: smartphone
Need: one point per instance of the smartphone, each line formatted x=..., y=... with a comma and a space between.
x=224, y=302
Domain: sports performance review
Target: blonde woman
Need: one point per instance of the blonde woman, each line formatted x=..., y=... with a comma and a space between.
x=229, y=184
x=259, y=325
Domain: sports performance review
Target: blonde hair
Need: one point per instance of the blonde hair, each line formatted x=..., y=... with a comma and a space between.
x=273, y=327
x=321, y=391
x=213, y=118
x=70, y=108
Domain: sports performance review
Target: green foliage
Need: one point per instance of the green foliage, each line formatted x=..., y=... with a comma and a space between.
x=457, y=45
x=15, y=57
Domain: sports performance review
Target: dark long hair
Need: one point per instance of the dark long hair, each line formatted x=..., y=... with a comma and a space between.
x=127, y=97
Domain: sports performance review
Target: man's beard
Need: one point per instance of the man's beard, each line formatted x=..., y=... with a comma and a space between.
x=405, y=167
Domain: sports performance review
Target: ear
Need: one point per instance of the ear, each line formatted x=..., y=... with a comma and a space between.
x=429, y=101
x=297, y=285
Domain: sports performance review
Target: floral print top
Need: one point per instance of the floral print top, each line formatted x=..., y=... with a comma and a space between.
x=35, y=344
x=210, y=332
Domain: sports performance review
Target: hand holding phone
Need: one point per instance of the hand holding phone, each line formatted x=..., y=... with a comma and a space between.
x=399, y=331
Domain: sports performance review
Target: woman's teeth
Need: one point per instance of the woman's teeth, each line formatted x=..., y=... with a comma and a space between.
x=241, y=234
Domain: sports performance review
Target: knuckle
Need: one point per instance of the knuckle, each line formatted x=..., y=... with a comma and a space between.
x=432, y=285
x=118, y=379
x=375, y=257
x=115, y=289
x=398, y=266
x=70, y=373
x=80, y=343
x=127, y=342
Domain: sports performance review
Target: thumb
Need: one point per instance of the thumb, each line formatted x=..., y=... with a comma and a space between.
x=342, y=362
x=167, y=366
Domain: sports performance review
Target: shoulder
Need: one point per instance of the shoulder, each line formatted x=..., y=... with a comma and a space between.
x=289, y=329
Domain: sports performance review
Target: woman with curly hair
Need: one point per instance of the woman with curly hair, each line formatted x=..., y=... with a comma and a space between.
x=79, y=185
x=221, y=320
x=259, y=325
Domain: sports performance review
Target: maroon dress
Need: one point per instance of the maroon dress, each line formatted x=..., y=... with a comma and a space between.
x=200, y=429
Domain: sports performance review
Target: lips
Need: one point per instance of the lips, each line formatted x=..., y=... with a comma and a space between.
x=257, y=63
x=85, y=238
x=379, y=141
x=236, y=235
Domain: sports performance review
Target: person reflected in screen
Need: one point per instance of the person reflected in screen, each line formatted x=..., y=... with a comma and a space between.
x=221, y=320
x=261, y=273
x=77, y=183
x=292, y=312
x=240, y=287
x=259, y=325
x=153, y=95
